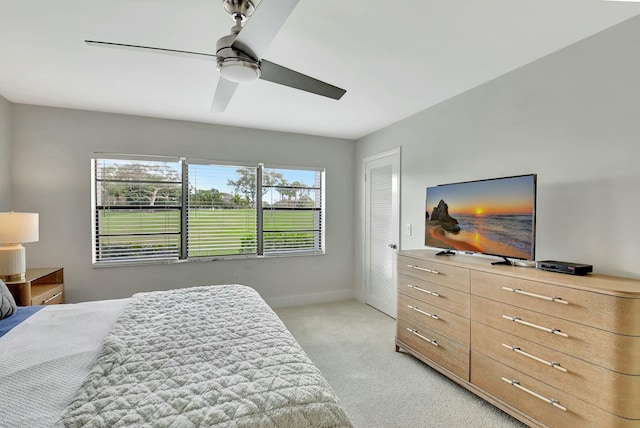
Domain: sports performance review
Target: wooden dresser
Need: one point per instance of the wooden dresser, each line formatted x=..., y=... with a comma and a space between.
x=552, y=350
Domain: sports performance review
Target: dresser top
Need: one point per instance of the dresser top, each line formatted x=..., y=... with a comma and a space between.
x=605, y=284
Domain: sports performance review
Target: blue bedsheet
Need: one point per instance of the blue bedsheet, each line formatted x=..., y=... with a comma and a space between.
x=21, y=314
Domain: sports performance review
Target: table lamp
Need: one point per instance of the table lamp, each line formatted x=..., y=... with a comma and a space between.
x=15, y=229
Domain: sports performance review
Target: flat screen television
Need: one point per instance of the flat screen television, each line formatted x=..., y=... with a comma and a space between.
x=495, y=217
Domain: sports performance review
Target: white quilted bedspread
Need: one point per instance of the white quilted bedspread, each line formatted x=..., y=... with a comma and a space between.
x=214, y=356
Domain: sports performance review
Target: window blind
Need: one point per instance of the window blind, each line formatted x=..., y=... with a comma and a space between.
x=292, y=210
x=222, y=211
x=138, y=208
x=154, y=208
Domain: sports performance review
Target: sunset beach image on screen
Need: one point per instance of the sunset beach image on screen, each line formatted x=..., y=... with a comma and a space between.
x=495, y=217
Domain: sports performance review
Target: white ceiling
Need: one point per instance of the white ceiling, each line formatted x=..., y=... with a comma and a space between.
x=393, y=58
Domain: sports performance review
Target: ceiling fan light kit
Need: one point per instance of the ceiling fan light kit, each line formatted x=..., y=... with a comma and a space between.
x=239, y=54
x=239, y=70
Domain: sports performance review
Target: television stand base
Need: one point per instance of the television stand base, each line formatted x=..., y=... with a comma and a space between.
x=446, y=253
x=503, y=262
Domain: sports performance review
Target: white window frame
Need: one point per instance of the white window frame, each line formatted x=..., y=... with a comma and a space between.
x=319, y=233
x=318, y=209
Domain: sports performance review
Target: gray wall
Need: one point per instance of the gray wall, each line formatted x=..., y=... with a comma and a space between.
x=572, y=117
x=5, y=155
x=54, y=146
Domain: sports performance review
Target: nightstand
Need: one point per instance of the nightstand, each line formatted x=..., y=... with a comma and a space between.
x=42, y=286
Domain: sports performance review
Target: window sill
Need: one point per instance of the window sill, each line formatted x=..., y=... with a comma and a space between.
x=101, y=265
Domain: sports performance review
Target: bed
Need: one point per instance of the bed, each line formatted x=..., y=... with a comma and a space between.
x=210, y=356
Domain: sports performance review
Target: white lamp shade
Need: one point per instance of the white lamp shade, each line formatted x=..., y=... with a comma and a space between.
x=18, y=228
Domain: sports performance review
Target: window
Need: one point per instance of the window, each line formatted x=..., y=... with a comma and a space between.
x=222, y=214
x=291, y=210
x=138, y=209
x=147, y=209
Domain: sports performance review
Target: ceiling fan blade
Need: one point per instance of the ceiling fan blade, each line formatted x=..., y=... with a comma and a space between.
x=149, y=48
x=278, y=74
x=223, y=95
x=260, y=29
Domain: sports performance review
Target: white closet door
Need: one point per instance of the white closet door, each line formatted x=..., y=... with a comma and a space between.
x=381, y=230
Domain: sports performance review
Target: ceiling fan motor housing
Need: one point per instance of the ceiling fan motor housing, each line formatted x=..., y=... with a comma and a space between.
x=233, y=64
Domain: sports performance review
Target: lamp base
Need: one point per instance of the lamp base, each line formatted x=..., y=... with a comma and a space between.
x=13, y=264
x=13, y=278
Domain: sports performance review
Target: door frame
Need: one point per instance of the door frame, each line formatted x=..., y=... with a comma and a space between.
x=397, y=152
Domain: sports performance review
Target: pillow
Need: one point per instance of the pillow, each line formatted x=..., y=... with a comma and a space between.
x=7, y=302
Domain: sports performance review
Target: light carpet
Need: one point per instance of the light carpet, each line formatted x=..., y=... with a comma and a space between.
x=353, y=345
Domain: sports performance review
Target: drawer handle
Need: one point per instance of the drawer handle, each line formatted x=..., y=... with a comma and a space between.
x=417, y=309
x=553, y=364
x=537, y=296
x=551, y=401
x=433, y=271
x=539, y=327
x=52, y=298
x=415, y=287
x=431, y=341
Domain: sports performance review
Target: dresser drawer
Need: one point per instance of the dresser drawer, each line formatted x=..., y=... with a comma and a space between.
x=606, y=312
x=612, y=351
x=47, y=294
x=617, y=393
x=441, y=350
x=443, y=297
x=488, y=374
x=437, y=273
x=446, y=323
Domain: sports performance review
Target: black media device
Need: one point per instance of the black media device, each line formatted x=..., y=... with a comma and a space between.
x=564, y=267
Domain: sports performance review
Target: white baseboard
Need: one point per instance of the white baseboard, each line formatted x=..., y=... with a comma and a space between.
x=310, y=299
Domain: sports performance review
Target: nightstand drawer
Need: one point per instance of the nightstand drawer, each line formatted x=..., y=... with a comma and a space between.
x=47, y=294
x=41, y=286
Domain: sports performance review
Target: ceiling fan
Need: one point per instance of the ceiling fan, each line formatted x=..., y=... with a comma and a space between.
x=239, y=54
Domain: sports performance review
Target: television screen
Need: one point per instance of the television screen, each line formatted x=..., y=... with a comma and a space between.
x=495, y=217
